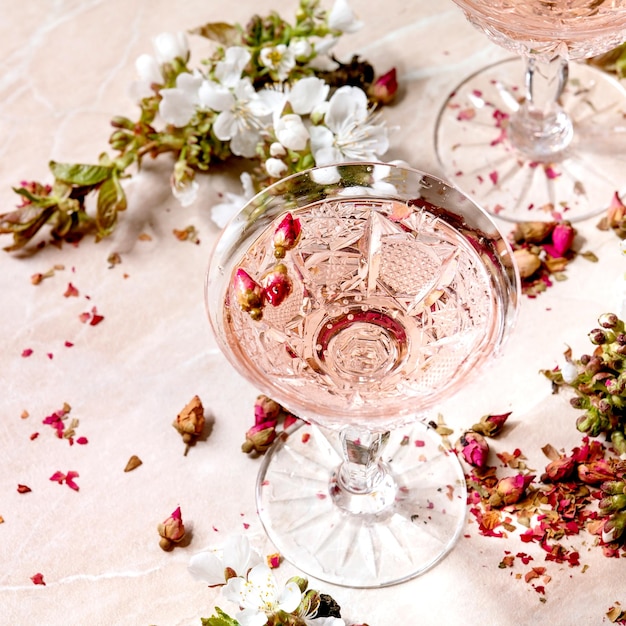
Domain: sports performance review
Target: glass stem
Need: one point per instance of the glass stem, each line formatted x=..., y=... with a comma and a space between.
x=363, y=484
x=540, y=128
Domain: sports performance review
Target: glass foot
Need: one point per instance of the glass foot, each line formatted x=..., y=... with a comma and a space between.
x=409, y=532
x=478, y=158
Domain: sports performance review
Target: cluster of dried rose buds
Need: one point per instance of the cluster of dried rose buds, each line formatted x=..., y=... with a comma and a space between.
x=275, y=285
x=171, y=530
x=472, y=445
x=542, y=250
x=270, y=419
x=473, y=448
x=599, y=381
x=190, y=421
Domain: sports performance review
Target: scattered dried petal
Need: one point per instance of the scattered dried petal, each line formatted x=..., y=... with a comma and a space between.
x=133, y=463
x=38, y=579
x=23, y=489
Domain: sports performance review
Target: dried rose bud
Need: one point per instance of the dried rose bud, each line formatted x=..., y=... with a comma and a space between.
x=491, y=425
x=616, y=212
x=562, y=240
x=532, y=232
x=286, y=235
x=273, y=560
x=527, y=262
x=614, y=527
x=510, y=490
x=276, y=285
x=384, y=89
x=595, y=472
x=559, y=469
x=259, y=437
x=249, y=294
x=190, y=421
x=608, y=320
x=473, y=448
x=266, y=410
x=172, y=530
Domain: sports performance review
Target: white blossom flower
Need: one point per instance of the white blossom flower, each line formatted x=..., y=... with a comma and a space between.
x=167, y=47
x=301, y=48
x=342, y=18
x=280, y=60
x=275, y=167
x=170, y=46
x=307, y=94
x=291, y=131
x=236, y=554
x=222, y=212
x=277, y=149
x=259, y=595
x=243, y=115
x=228, y=72
x=349, y=132
x=179, y=103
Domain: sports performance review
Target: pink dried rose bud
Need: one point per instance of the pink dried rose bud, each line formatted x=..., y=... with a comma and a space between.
x=273, y=560
x=266, y=410
x=249, y=294
x=563, y=236
x=616, y=212
x=491, y=425
x=595, y=472
x=510, y=490
x=384, y=89
x=286, y=235
x=276, y=285
x=473, y=448
x=559, y=469
x=259, y=438
x=172, y=530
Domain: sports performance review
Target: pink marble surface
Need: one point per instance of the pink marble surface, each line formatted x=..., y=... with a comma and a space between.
x=66, y=67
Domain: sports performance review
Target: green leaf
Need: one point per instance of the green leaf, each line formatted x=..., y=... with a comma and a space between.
x=40, y=201
x=223, y=33
x=80, y=174
x=24, y=229
x=111, y=199
x=221, y=619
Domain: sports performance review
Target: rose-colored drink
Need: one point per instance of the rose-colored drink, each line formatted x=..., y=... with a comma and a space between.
x=584, y=27
x=379, y=307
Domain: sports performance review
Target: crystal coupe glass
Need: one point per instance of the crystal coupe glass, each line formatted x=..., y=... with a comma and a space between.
x=358, y=296
x=538, y=137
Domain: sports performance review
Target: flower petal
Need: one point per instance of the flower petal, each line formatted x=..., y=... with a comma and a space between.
x=175, y=107
x=307, y=93
x=207, y=567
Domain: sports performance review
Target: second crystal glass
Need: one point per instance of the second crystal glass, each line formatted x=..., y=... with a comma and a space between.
x=539, y=138
x=358, y=296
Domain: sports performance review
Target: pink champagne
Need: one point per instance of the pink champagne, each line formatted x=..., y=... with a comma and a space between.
x=389, y=307
x=576, y=29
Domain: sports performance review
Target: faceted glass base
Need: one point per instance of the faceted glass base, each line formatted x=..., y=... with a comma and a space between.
x=399, y=530
x=474, y=148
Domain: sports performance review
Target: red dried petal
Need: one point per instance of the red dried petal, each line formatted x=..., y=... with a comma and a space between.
x=59, y=477
x=71, y=291
x=82, y=441
x=27, y=352
x=38, y=579
x=69, y=480
x=23, y=489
